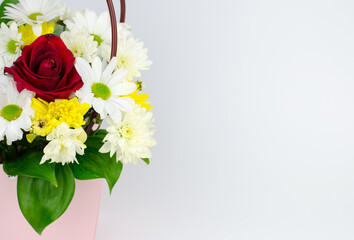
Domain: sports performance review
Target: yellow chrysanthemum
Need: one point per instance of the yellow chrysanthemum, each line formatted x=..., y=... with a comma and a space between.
x=28, y=36
x=140, y=99
x=48, y=116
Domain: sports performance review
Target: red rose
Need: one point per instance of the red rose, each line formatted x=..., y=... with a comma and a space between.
x=46, y=67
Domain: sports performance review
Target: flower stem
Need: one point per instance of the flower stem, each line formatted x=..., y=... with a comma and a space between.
x=88, y=128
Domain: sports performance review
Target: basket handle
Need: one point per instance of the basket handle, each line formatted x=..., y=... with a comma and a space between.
x=112, y=15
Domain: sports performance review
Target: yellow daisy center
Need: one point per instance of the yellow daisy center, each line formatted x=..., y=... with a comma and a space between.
x=12, y=46
x=100, y=90
x=11, y=112
x=34, y=16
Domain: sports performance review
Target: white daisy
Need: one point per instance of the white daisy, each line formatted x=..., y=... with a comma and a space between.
x=64, y=144
x=131, y=138
x=80, y=43
x=132, y=56
x=98, y=26
x=104, y=86
x=34, y=11
x=10, y=43
x=16, y=113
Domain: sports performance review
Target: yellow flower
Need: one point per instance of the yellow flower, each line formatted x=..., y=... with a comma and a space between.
x=48, y=116
x=28, y=36
x=140, y=99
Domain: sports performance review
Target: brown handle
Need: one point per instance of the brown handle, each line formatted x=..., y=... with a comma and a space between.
x=112, y=14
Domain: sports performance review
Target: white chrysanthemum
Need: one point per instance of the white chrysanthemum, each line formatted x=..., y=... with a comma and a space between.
x=67, y=14
x=34, y=11
x=104, y=86
x=97, y=26
x=10, y=43
x=131, y=138
x=64, y=144
x=132, y=56
x=80, y=43
x=15, y=112
x=124, y=30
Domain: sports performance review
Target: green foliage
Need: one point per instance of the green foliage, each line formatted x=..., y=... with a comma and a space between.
x=94, y=165
x=58, y=29
x=41, y=202
x=2, y=9
x=146, y=160
x=8, y=152
x=101, y=132
x=46, y=190
x=28, y=165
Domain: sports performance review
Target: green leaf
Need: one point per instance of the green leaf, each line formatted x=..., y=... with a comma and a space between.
x=146, y=160
x=58, y=29
x=93, y=164
x=41, y=202
x=28, y=166
x=101, y=132
x=2, y=9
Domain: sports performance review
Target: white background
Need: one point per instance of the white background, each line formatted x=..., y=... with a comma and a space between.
x=254, y=105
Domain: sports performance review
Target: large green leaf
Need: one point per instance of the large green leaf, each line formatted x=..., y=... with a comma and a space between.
x=2, y=9
x=94, y=164
x=41, y=202
x=28, y=165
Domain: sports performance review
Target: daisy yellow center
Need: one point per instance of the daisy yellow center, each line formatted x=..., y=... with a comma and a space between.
x=12, y=47
x=97, y=38
x=11, y=112
x=100, y=90
x=34, y=16
x=127, y=132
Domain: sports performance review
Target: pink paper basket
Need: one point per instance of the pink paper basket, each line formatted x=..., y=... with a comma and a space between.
x=77, y=223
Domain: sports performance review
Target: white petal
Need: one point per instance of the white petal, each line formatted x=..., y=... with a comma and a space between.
x=97, y=68
x=3, y=126
x=85, y=71
x=125, y=104
x=99, y=106
x=123, y=89
x=37, y=29
x=107, y=73
x=113, y=111
x=13, y=133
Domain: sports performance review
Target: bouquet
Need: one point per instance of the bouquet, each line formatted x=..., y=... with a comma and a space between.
x=59, y=81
